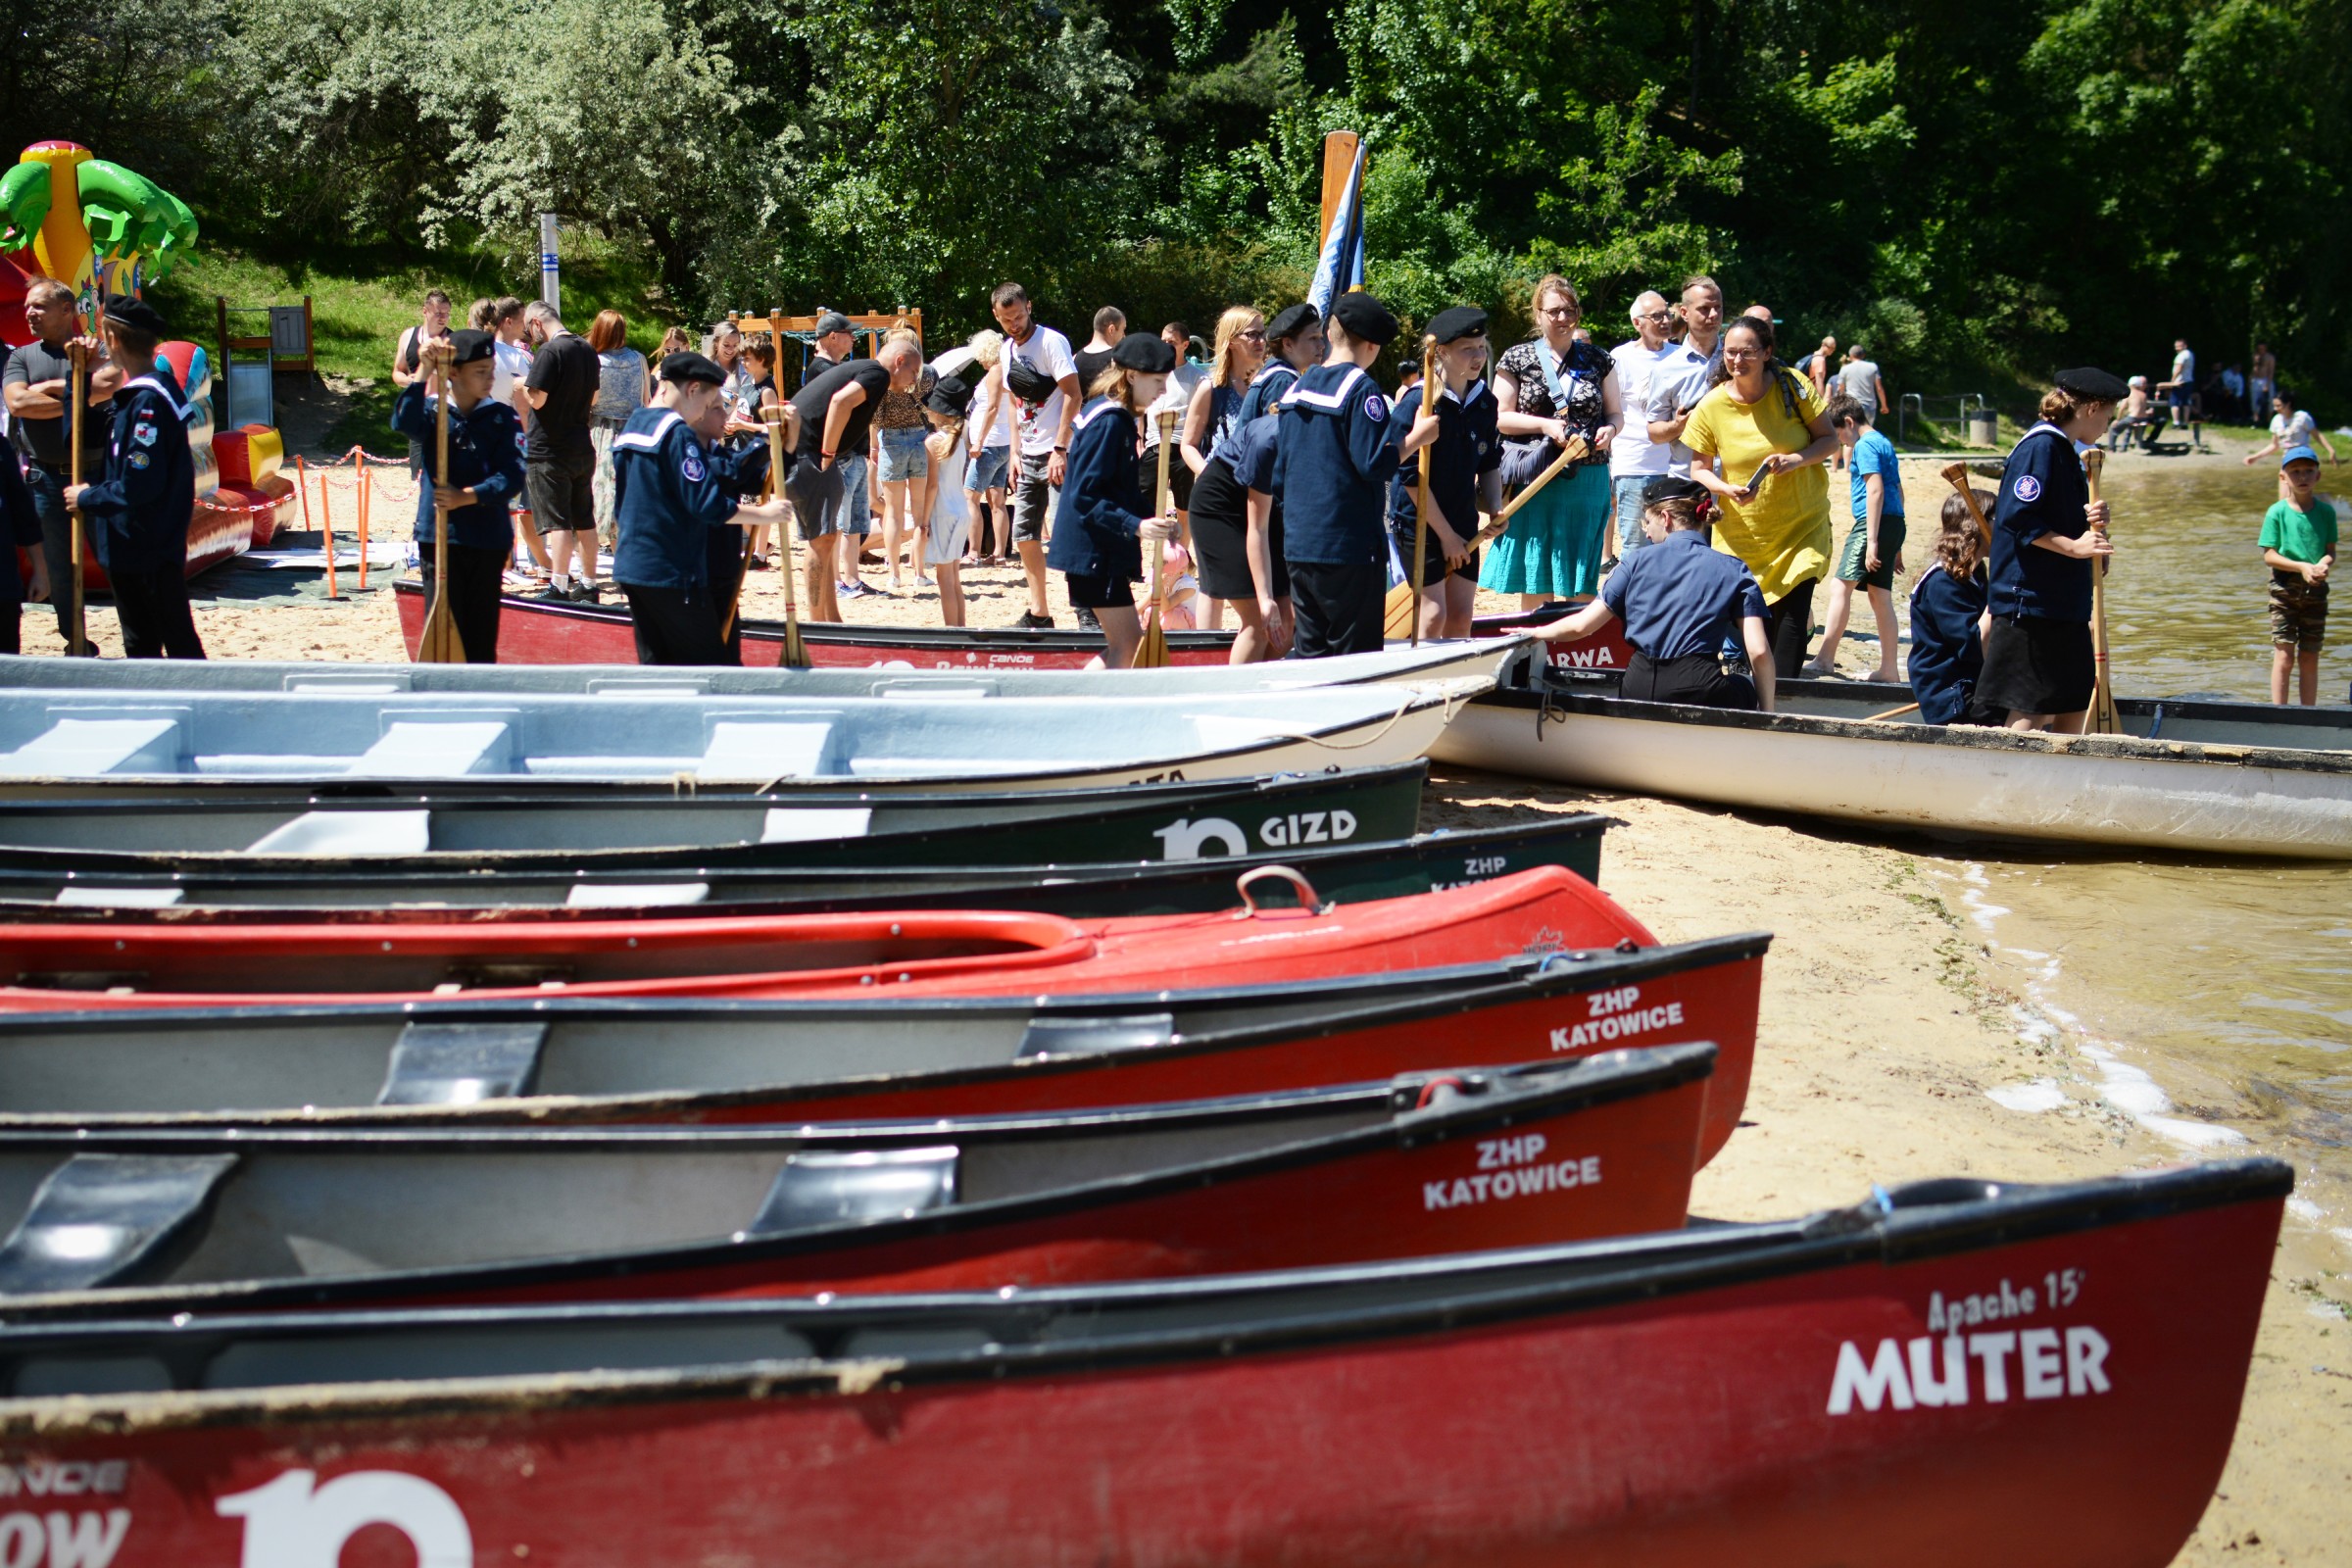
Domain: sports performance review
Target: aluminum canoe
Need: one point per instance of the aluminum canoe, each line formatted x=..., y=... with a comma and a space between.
x=2238, y=779
x=1380, y=868
x=556, y=1059
x=443, y=829
x=1949, y=1374
x=1480, y=659
x=64, y=742
x=212, y=1221
x=532, y=631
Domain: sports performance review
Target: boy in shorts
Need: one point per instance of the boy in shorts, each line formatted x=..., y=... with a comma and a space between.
x=2298, y=545
x=1874, y=545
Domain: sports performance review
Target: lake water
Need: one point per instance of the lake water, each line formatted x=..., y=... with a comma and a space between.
x=2222, y=991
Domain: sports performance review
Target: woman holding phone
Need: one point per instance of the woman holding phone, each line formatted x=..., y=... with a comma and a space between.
x=1758, y=441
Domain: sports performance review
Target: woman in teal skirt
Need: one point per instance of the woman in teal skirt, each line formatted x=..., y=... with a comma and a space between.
x=1553, y=386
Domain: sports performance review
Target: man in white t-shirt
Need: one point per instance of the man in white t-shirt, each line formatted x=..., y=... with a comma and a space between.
x=1680, y=375
x=1044, y=434
x=1634, y=458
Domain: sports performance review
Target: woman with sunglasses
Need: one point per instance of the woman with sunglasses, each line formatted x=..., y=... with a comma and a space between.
x=1219, y=503
x=1546, y=391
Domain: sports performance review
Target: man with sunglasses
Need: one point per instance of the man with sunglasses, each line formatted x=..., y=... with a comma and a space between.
x=1634, y=458
x=1680, y=378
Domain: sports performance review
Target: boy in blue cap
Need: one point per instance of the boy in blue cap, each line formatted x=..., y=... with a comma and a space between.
x=485, y=471
x=2298, y=545
x=138, y=514
x=1337, y=451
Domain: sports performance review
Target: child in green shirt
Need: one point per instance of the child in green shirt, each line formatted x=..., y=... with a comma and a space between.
x=2298, y=545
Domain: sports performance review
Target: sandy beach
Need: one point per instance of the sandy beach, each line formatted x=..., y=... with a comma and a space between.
x=1886, y=1020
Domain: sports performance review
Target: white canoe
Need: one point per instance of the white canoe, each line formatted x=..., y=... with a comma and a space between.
x=92, y=743
x=2217, y=777
x=1468, y=659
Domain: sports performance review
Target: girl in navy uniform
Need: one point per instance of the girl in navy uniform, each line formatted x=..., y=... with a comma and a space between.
x=670, y=499
x=1678, y=603
x=1337, y=453
x=485, y=471
x=138, y=514
x=1465, y=471
x=2047, y=535
x=1106, y=516
x=1949, y=621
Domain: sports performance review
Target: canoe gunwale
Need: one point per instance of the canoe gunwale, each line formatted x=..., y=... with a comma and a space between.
x=1655, y=1266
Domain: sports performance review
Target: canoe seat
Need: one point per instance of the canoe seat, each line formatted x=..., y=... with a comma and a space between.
x=829, y=1189
x=463, y=1064
x=765, y=748
x=79, y=747
x=1056, y=1036
x=449, y=749
x=349, y=833
x=101, y=1219
x=807, y=824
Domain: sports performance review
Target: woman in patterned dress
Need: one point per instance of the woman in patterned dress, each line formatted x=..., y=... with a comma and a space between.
x=1549, y=388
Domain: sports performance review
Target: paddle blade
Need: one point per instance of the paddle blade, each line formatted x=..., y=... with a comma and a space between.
x=1152, y=651
x=796, y=650
x=439, y=643
x=1400, y=616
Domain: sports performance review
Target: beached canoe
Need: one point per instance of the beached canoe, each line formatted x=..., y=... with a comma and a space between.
x=1348, y=873
x=533, y=631
x=450, y=830
x=1483, y=659
x=65, y=742
x=239, y=1219
x=1948, y=1375
x=914, y=953
x=2190, y=776
x=557, y=1059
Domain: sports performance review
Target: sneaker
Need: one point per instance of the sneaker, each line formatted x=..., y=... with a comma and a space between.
x=757, y=563
x=852, y=590
x=552, y=595
x=1031, y=621
x=1087, y=620
x=585, y=593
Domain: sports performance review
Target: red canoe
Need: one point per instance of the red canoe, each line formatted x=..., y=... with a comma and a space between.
x=1469, y=1160
x=752, y=1062
x=1945, y=1377
x=533, y=631
x=909, y=952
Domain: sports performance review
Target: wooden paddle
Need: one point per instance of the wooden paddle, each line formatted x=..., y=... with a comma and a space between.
x=1152, y=651
x=2103, y=720
x=79, y=642
x=796, y=652
x=1956, y=474
x=1570, y=454
x=1431, y=391
x=439, y=643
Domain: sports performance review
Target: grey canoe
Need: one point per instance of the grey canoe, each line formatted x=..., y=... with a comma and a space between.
x=96, y=743
x=1480, y=659
x=2190, y=776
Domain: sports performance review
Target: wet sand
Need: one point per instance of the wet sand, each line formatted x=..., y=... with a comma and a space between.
x=1886, y=1022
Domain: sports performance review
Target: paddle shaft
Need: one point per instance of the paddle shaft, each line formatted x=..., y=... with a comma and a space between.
x=2103, y=718
x=1570, y=452
x=1430, y=392
x=440, y=643
x=80, y=411
x=1151, y=653
x=796, y=652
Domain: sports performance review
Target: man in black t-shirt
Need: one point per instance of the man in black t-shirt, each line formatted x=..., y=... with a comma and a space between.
x=1110, y=326
x=837, y=411
x=36, y=386
x=558, y=454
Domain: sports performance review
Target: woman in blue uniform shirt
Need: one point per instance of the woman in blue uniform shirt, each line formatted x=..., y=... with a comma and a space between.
x=1679, y=602
x=2048, y=533
x=1105, y=518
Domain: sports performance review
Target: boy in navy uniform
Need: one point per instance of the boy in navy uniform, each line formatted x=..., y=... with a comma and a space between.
x=668, y=500
x=1680, y=602
x=1337, y=451
x=1465, y=471
x=740, y=473
x=2047, y=538
x=138, y=514
x=485, y=471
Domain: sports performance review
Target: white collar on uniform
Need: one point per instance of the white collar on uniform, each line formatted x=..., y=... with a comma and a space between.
x=1093, y=411
x=647, y=440
x=1465, y=399
x=155, y=385
x=1332, y=399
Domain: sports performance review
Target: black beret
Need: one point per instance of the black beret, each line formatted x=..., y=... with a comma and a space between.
x=1294, y=319
x=136, y=314
x=1367, y=319
x=469, y=344
x=2092, y=384
x=1671, y=487
x=950, y=395
x=1457, y=322
x=1026, y=382
x=1147, y=356
x=687, y=366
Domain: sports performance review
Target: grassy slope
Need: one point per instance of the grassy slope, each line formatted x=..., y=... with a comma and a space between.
x=361, y=300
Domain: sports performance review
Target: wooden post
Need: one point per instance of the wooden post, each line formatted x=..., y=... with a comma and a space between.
x=78, y=643
x=1338, y=162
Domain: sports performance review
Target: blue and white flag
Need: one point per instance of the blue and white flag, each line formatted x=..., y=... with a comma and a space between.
x=1340, y=269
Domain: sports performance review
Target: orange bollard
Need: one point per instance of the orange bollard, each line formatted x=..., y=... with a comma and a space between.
x=358, y=469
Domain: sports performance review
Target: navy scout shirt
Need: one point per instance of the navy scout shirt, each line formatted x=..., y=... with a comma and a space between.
x=1948, y=655
x=1681, y=597
x=2042, y=492
x=1103, y=500
x=140, y=512
x=667, y=500
x=485, y=454
x=1469, y=443
x=1337, y=450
